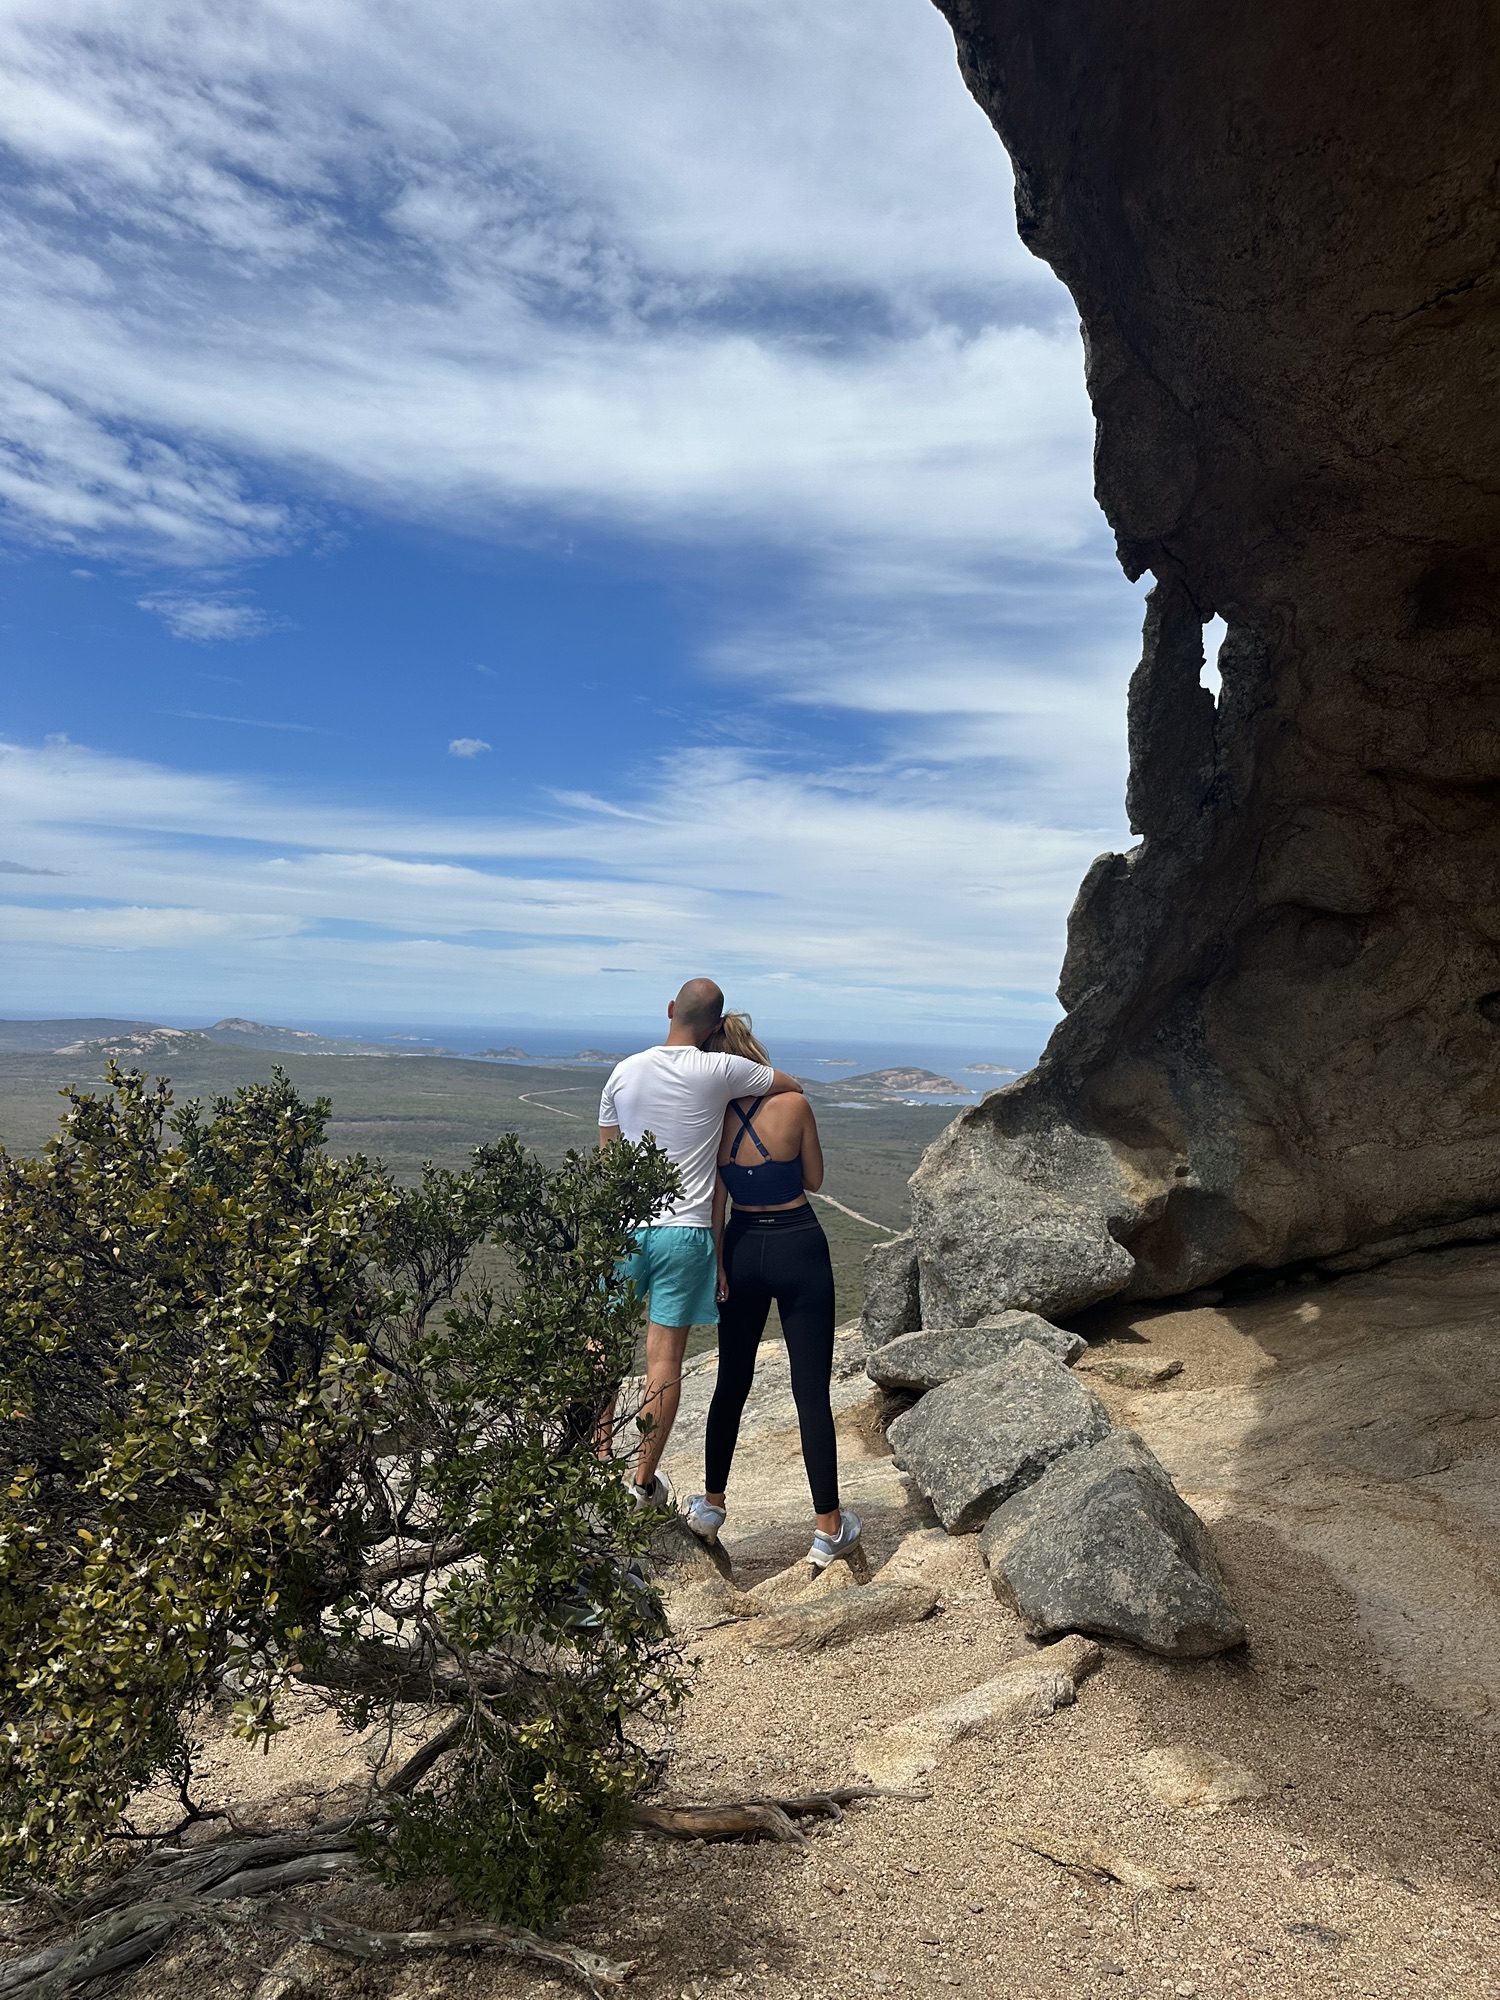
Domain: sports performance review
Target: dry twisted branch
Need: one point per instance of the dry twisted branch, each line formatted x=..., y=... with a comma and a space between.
x=734, y=1819
x=237, y=1879
x=127, y=1936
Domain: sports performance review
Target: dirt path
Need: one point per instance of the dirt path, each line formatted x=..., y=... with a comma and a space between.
x=1343, y=1442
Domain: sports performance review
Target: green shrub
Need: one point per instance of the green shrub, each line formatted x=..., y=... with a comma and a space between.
x=259, y=1424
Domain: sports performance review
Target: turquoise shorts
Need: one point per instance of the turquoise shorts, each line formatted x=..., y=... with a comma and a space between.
x=678, y=1271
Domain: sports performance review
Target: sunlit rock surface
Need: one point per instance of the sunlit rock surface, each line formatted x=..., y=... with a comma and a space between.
x=1280, y=226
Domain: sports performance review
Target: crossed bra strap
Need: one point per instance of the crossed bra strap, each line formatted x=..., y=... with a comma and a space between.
x=746, y=1126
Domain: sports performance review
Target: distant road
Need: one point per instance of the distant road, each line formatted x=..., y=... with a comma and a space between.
x=531, y=1097
x=884, y=1227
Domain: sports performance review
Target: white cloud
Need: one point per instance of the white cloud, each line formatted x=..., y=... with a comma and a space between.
x=121, y=927
x=745, y=273
x=865, y=895
x=207, y=619
x=742, y=277
x=75, y=471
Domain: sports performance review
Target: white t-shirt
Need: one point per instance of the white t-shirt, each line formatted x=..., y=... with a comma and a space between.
x=680, y=1094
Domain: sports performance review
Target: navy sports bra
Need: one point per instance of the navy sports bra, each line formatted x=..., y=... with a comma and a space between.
x=766, y=1186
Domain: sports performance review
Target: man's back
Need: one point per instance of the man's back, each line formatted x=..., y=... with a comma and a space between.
x=679, y=1093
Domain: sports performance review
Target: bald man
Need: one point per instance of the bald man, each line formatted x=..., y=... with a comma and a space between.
x=679, y=1093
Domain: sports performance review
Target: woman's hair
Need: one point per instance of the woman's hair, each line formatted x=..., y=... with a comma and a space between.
x=735, y=1036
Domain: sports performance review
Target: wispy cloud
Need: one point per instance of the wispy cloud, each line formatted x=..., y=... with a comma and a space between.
x=502, y=258
x=207, y=619
x=728, y=280
x=249, y=722
x=869, y=895
x=76, y=471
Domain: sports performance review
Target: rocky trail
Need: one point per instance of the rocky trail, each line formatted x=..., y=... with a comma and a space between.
x=1313, y=1813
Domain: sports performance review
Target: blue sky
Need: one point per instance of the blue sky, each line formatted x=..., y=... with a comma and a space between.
x=503, y=507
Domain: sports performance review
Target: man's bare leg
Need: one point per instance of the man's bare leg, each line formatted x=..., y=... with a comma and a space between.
x=604, y=1426
x=665, y=1346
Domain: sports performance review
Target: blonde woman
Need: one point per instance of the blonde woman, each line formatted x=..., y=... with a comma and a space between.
x=772, y=1249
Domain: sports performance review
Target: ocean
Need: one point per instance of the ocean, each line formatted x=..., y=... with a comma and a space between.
x=973, y=1066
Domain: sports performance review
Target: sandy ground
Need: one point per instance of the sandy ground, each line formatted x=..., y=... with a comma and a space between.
x=1343, y=1440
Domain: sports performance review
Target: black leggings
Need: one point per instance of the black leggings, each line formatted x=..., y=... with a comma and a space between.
x=783, y=1256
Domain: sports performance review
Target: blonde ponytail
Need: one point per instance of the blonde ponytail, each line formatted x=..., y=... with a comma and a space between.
x=735, y=1036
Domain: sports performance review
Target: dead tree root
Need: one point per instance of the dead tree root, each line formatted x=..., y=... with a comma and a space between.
x=769, y=1819
x=241, y=1880
x=128, y=1936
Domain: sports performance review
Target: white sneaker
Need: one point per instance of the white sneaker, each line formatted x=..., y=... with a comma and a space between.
x=829, y=1548
x=658, y=1494
x=705, y=1521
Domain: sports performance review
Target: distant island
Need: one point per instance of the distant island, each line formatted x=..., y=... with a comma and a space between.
x=909, y=1082
x=989, y=1069
x=142, y=1041
x=257, y=1030
x=838, y=1062
x=503, y=1055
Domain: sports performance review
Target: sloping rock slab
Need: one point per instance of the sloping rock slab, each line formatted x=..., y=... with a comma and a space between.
x=1029, y=1690
x=1103, y=1543
x=926, y=1359
x=801, y=1584
x=1195, y=1780
x=1132, y=1371
x=829, y=1621
x=976, y=1440
x=703, y=1605
x=950, y=1564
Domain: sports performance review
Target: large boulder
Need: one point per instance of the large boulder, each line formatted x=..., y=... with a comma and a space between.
x=1103, y=1543
x=890, y=1291
x=924, y=1360
x=974, y=1441
x=1282, y=1041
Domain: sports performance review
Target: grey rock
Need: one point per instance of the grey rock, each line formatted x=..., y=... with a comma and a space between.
x=1282, y=1043
x=924, y=1360
x=1012, y=1207
x=975, y=1440
x=851, y=1347
x=1103, y=1543
x=891, y=1306
x=1015, y=1324
x=678, y=1557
